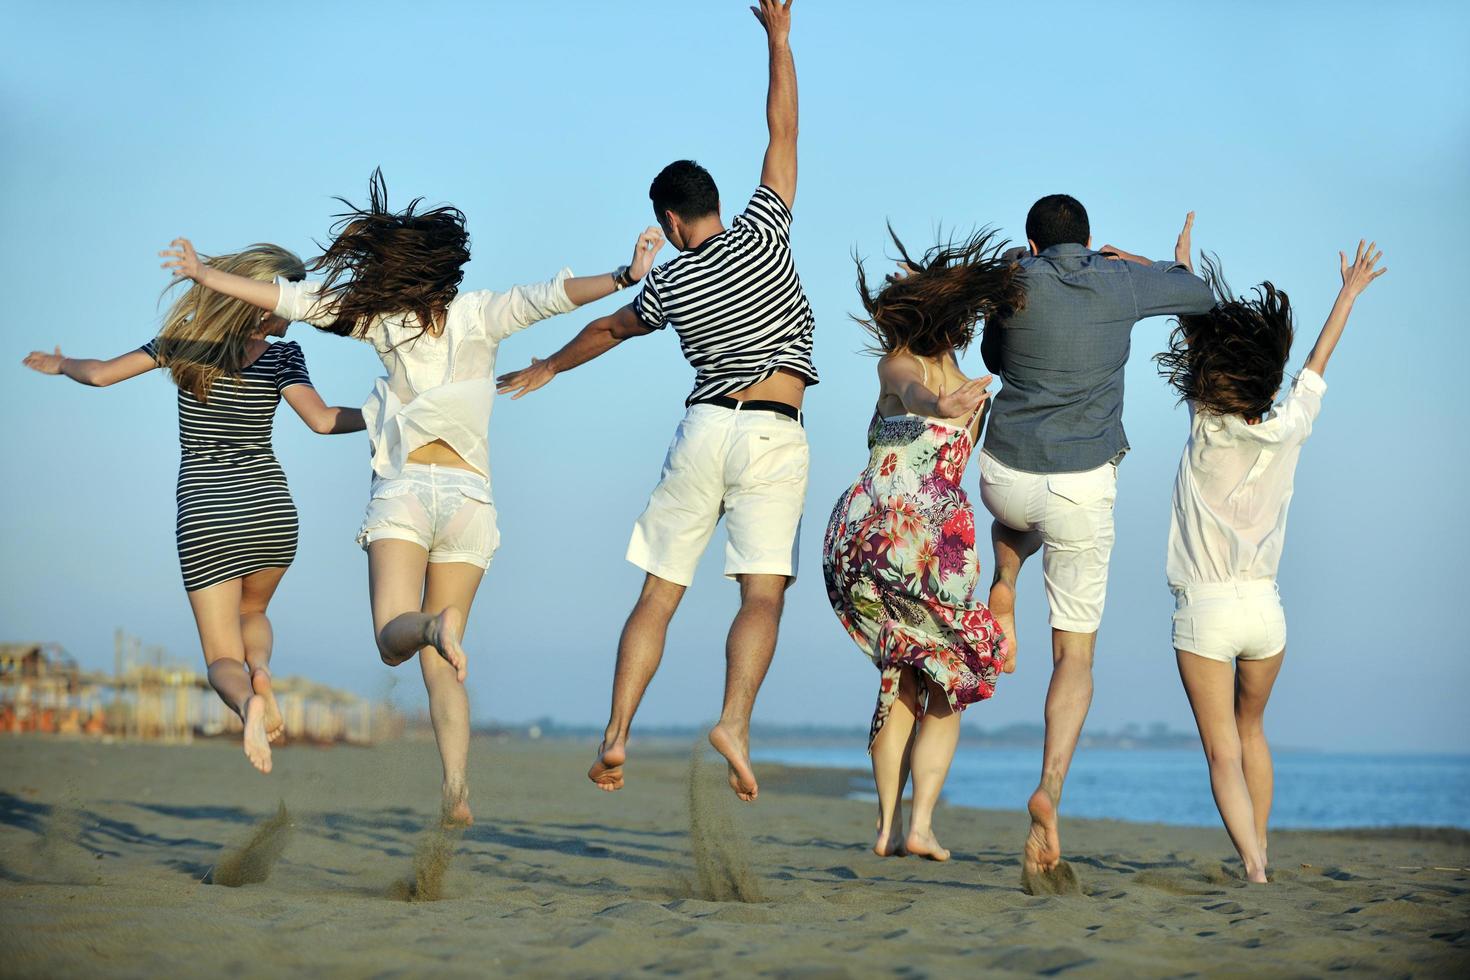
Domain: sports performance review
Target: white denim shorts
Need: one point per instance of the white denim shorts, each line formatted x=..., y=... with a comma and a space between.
x=1230, y=621
x=749, y=467
x=445, y=510
x=1074, y=514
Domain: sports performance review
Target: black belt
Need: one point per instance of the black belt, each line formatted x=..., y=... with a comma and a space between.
x=780, y=408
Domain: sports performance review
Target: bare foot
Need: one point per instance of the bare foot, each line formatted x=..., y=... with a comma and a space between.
x=443, y=635
x=1003, y=608
x=607, y=771
x=736, y=753
x=925, y=845
x=456, y=810
x=260, y=683
x=257, y=746
x=890, y=842
x=1043, y=844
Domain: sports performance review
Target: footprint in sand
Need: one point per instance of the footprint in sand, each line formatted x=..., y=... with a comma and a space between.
x=1177, y=884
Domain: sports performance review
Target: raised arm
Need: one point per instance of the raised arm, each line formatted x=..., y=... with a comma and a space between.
x=181, y=259
x=329, y=420
x=1355, y=279
x=587, y=289
x=90, y=371
x=903, y=375
x=778, y=171
x=594, y=340
x=1166, y=288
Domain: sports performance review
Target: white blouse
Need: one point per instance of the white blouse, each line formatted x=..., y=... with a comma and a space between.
x=437, y=387
x=1234, y=487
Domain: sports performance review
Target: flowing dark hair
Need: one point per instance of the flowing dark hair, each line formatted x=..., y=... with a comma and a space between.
x=1231, y=360
x=381, y=261
x=934, y=309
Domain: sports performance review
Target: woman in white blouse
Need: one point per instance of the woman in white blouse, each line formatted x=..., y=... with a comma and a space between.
x=1228, y=525
x=392, y=279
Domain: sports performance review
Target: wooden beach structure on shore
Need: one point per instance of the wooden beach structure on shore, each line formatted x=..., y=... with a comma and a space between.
x=149, y=697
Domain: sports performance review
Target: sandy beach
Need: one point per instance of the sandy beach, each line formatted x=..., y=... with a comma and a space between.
x=111, y=857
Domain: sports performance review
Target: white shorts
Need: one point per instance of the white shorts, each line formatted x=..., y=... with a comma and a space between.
x=1230, y=621
x=445, y=510
x=1074, y=514
x=749, y=467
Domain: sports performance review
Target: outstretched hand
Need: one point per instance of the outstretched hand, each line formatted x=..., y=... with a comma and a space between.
x=182, y=260
x=904, y=271
x=964, y=399
x=527, y=379
x=1183, y=246
x=774, y=16
x=1357, y=275
x=39, y=360
x=647, y=246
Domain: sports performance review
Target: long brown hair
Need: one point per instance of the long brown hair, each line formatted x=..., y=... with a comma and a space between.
x=206, y=334
x=935, y=308
x=1231, y=360
x=382, y=261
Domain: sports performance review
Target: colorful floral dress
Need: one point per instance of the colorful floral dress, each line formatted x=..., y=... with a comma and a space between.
x=900, y=564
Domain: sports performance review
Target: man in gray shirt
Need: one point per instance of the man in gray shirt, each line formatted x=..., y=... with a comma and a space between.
x=1048, y=473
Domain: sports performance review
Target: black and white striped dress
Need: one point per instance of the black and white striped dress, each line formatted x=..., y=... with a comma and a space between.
x=235, y=510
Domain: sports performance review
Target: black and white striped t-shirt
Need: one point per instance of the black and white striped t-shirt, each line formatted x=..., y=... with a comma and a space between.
x=736, y=302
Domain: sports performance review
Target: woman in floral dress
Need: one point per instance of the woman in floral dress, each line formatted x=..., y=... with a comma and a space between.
x=899, y=554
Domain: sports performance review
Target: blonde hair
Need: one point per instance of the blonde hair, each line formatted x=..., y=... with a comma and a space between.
x=206, y=334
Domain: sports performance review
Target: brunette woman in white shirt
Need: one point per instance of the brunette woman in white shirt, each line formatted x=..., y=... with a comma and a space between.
x=392, y=279
x=1229, y=523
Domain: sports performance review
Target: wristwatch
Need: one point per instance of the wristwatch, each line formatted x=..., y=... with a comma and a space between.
x=621, y=278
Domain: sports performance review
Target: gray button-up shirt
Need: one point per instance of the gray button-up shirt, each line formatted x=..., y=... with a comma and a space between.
x=1061, y=358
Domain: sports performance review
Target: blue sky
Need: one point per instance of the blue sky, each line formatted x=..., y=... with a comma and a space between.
x=1291, y=130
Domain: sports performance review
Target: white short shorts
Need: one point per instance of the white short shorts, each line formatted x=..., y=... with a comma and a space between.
x=445, y=510
x=1230, y=621
x=749, y=467
x=1074, y=514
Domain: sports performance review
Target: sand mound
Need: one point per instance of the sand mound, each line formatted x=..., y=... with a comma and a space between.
x=1061, y=880
x=250, y=863
x=721, y=854
x=431, y=860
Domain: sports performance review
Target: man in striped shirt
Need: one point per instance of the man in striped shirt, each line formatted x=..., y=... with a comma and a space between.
x=744, y=324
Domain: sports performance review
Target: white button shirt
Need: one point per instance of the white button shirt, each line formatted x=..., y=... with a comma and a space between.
x=1234, y=487
x=437, y=387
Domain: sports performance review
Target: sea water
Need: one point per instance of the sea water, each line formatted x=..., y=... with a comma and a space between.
x=1314, y=790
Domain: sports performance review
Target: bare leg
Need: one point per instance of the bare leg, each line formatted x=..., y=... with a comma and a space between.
x=256, y=590
x=396, y=572
x=1253, y=682
x=748, y=652
x=1067, y=700
x=1012, y=548
x=939, y=734
x=450, y=585
x=640, y=649
x=217, y=614
x=891, y=750
x=1210, y=685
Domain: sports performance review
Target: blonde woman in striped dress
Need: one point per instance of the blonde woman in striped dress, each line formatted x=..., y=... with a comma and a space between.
x=236, y=522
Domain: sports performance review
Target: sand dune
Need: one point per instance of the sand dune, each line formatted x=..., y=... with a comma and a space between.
x=106, y=852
